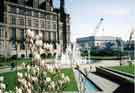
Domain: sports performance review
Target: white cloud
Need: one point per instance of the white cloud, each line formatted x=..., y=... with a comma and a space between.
x=112, y=12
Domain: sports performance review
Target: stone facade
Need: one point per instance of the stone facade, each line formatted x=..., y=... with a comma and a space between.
x=37, y=15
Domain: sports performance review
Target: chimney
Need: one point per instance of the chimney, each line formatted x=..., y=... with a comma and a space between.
x=62, y=4
x=51, y=3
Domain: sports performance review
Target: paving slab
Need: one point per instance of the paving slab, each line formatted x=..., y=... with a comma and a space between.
x=106, y=85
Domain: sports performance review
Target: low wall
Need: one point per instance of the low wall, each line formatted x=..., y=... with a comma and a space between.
x=117, y=77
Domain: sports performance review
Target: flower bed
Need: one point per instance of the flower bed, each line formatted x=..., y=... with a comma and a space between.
x=10, y=80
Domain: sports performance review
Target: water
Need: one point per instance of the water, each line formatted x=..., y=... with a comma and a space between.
x=89, y=87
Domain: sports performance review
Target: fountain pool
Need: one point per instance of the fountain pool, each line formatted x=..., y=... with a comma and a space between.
x=88, y=86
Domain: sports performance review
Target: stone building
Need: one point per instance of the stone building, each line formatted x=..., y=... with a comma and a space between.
x=16, y=16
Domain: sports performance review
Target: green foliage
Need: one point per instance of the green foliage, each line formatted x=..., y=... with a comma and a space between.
x=11, y=77
x=18, y=61
x=128, y=69
x=13, y=57
x=43, y=55
x=30, y=55
x=22, y=55
x=72, y=86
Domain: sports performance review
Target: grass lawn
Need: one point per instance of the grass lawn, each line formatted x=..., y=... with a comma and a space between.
x=10, y=80
x=72, y=86
x=128, y=69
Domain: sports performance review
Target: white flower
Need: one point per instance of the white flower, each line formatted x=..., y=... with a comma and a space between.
x=2, y=86
x=44, y=45
x=50, y=69
x=41, y=51
x=44, y=74
x=39, y=43
x=48, y=79
x=23, y=64
x=20, y=75
x=33, y=71
x=31, y=41
x=18, y=90
x=37, y=37
x=40, y=35
x=25, y=74
x=29, y=91
x=34, y=79
x=56, y=66
x=67, y=79
x=60, y=82
x=62, y=76
x=30, y=33
x=42, y=63
x=29, y=76
x=28, y=68
x=37, y=69
x=0, y=91
x=1, y=78
x=37, y=57
x=52, y=84
x=29, y=84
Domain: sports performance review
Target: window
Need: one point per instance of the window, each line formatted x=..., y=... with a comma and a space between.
x=12, y=9
x=13, y=19
x=41, y=15
x=48, y=17
x=35, y=22
x=1, y=32
x=22, y=46
x=21, y=21
x=68, y=28
x=53, y=36
x=54, y=26
x=13, y=37
x=21, y=11
x=28, y=13
x=49, y=36
x=42, y=23
x=35, y=14
x=1, y=36
x=54, y=18
x=29, y=22
x=46, y=36
x=60, y=27
x=48, y=25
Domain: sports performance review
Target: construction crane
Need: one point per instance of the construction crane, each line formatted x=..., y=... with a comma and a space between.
x=129, y=45
x=98, y=26
x=130, y=38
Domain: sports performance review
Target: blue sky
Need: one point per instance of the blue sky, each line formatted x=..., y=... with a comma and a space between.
x=119, y=17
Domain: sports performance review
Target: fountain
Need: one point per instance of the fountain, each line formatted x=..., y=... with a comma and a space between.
x=70, y=57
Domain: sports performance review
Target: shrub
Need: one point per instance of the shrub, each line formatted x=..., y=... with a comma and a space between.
x=49, y=55
x=30, y=55
x=43, y=55
x=14, y=57
x=22, y=55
